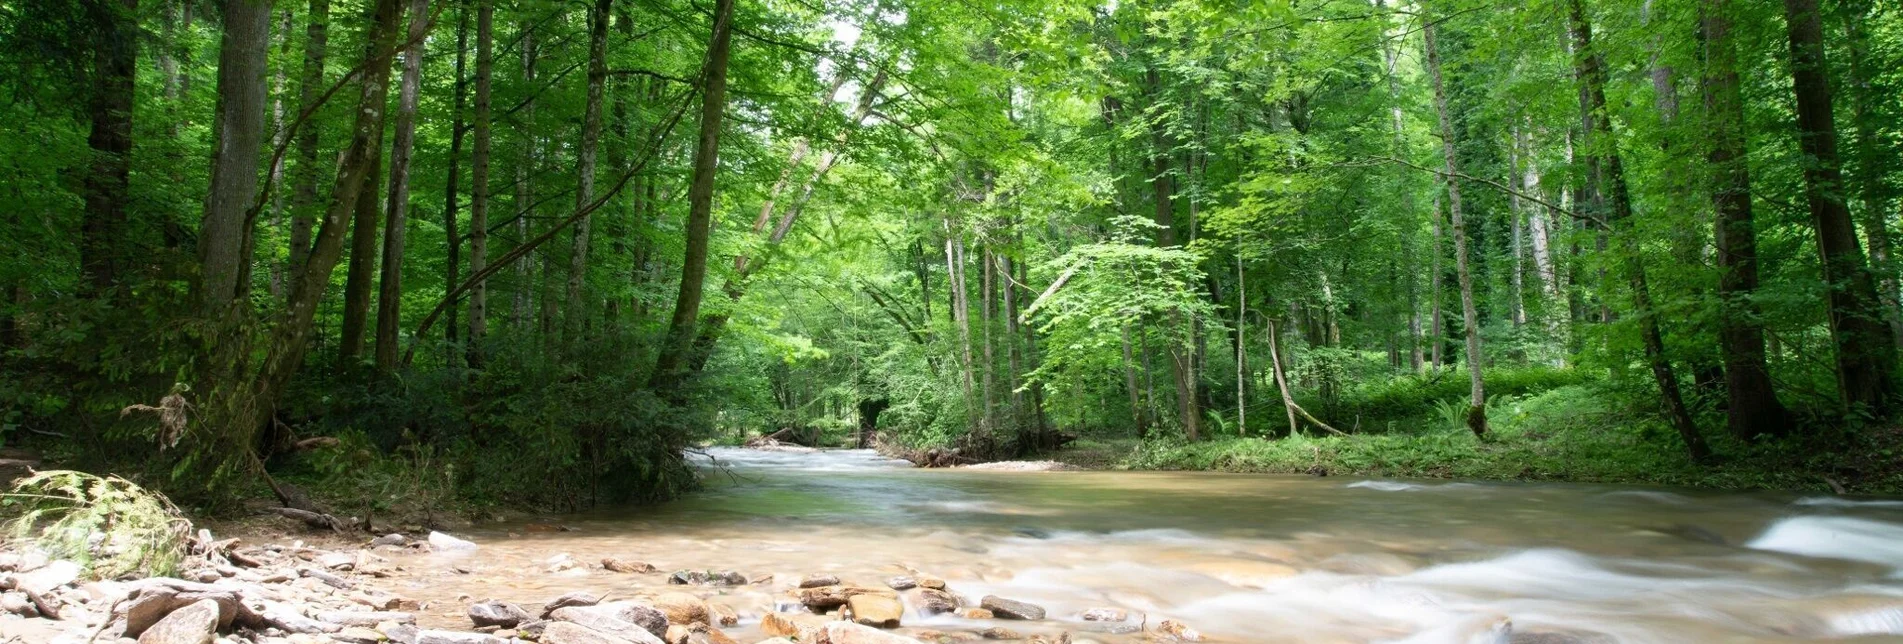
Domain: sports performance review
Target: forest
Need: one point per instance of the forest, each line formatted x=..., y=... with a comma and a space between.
x=530, y=252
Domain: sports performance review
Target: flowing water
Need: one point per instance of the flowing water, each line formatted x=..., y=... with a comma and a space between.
x=1245, y=558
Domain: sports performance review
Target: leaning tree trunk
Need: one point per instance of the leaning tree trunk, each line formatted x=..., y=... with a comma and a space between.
x=237, y=137
x=1752, y=408
x=1477, y=405
x=396, y=212
x=669, y=366
x=1612, y=198
x=103, y=254
x=242, y=406
x=1866, y=353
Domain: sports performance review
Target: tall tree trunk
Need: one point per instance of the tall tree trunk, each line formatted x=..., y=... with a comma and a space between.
x=479, y=179
x=1752, y=408
x=1436, y=318
x=1871, y=165
x=1517, y=213
x=987, y=291
x=304, y=206
x=525, y=167
x=1163, y=193
x=104, y=255
x=452, y=191
x=1477, y=406
x=1013, y=349
x=396, y=211
x=279, y=121
x=1131, y=387
x=960, y=308
x=238, y=135
x=585, y=160
x=290, y=337
x=1866, y=352
x=668, y=367
x=362, y=271
x=1613, y=200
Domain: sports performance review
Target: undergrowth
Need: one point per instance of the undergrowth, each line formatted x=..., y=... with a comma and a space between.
x=108, y=525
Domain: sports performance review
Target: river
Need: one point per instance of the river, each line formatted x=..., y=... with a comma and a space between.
x=1243, y=558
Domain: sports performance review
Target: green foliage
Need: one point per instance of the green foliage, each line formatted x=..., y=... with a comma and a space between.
x=109, y=525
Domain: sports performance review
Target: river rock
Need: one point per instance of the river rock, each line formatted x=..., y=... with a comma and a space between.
x=803, y=626
x=850, y=633
x=1000, y=633
x=612, y=564
x=572, y=633
x=681, y=608
x=152, y=599
x=875, y=610
x=723, y=614
x=403, y=633
x=445, y=543
x=707, y=578
x=932, y=601
x=776, y=640
x=193, y=624
x=392, y=539
x=364, y=618
x=607, y=620
x=1178, y=632
x=53, y=575
x=1011, y=608
x=495, y=613
x=357, y=635
x=577, y=598
x=928, y=581
x=14, y=602
x=815, y=581
x=456, y=637
x=901, y=583
x=973, y=612
x=1104, y=615
x=827, y=597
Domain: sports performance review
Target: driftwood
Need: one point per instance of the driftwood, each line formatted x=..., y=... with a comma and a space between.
x=317, y=520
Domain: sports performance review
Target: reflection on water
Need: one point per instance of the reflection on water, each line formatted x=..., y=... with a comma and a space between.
x=1248, y=558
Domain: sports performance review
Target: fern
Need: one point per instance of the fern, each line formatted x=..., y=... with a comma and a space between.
x=108, y=525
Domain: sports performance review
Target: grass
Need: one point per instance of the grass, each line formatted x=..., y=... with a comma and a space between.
x=1569, y=433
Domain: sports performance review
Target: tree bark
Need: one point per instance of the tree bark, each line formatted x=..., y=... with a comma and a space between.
x=524, y=203
x=1436, y=319
x=452, y=191
x=1611, y=196
x=479, y=159
x=104, y=255
x=585, y=160
x=310, y=90
x=238, y=135
x=1866, y=352
x=1752, y=408
x=668, y=367
x=1477, y=405
x=396, y=211
x=363, y=260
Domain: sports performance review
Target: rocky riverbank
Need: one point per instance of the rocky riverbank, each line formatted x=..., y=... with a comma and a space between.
x=231, y=592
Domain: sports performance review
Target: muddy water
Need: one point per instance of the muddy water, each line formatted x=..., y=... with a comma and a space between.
x=1245, y=558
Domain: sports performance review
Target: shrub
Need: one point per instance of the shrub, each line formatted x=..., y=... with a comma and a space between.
x=109, y=525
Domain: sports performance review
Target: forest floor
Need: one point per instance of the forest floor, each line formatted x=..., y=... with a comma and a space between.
x=1631, y=455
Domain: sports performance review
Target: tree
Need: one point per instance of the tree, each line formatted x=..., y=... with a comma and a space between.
x=396, y=211
x=238, y=131
x=669, y=366
x=104, y=253
x=1470, y=317
x=479, y=178
x=1866, y=352
x=1751, y=404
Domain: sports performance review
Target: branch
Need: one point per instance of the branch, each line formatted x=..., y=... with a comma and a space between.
x=1025, y=317
x=1497, y=185
x=523, y=248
